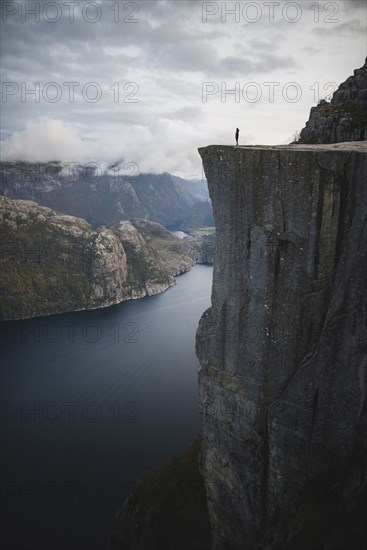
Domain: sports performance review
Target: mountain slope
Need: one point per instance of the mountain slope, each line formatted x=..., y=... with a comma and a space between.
x=53, y=262
x=101, y=198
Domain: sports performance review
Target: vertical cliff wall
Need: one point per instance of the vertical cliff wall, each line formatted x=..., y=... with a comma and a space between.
x=282, y=350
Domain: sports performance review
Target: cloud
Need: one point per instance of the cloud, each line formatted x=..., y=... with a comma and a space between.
x=185, y=113
x=44, y=141
x=355, y=5
x=164, y=145
x=351, y=28
x=169, y=54
x=264, y=63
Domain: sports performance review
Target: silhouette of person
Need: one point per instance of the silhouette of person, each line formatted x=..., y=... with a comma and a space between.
x=237, y=135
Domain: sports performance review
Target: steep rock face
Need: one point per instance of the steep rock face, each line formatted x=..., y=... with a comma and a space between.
x=282, y=350
x=344, y=118
x=155, y=256
x=52, y=262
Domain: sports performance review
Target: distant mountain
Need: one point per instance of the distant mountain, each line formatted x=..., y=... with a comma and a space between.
x=102, y=198
x=201, y=215
x=197, y=188
x=52, y=262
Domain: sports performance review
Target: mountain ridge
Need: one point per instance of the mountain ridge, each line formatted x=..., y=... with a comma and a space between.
x=103, y=197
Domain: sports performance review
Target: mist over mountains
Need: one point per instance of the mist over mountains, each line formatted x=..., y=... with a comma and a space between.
x=105, y=197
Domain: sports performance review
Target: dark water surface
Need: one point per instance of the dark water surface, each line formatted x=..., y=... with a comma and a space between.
x=90, y=401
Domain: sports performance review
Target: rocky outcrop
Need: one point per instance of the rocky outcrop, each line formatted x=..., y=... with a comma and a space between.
x=167, y=510
x=105, y=196
x=282, y=350
x=52, y=262
x=155, y=256
x=344, y=118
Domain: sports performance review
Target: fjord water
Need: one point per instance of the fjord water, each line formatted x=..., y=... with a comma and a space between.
x=90, y=401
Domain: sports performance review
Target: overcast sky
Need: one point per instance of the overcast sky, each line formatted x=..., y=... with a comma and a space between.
x=146, y=81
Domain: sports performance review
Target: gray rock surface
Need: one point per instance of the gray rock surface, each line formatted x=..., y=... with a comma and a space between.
x=282, y=350
x=344, y=118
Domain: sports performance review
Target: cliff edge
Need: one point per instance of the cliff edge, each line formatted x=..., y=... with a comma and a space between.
x=282, y=350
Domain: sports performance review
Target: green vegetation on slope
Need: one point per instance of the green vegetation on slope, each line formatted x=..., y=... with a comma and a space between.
x=52, y=263
x=167, y=510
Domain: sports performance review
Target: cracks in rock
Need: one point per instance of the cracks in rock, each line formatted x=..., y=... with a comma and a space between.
x=283, y=215
x=281, y=196
x=320, y=208
x=313, y=293
x=265, y=471
x=311, y=355
x=342, y=214
x=314, y=406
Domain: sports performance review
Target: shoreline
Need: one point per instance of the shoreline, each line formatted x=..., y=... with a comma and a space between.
x=117, y=302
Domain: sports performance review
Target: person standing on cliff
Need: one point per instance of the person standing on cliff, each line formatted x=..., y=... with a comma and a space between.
x=237, y=135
